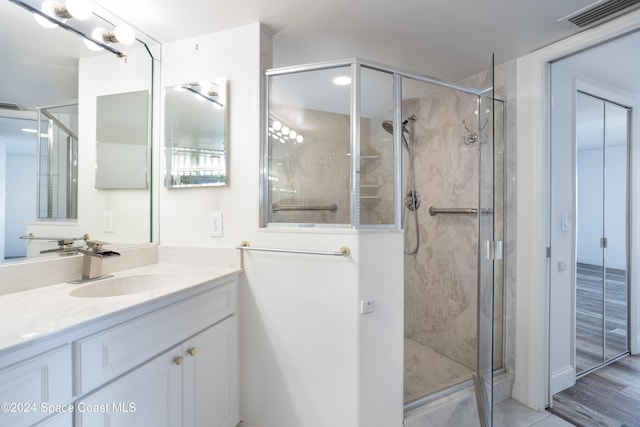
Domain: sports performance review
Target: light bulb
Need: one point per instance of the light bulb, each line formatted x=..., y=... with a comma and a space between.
x=125, y=34
x=299, y=138
x=292, y=134
x=79, y=9
x=285, y=130
x=277, y=125
x=47, y=9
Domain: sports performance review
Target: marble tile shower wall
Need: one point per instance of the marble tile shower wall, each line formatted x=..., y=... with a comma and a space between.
x=315, y=172
x=441, y=279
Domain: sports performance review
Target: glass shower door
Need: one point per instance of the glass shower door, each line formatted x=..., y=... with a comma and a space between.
x=489, y=249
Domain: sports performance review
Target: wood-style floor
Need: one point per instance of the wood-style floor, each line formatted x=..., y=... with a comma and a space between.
x=608, y=397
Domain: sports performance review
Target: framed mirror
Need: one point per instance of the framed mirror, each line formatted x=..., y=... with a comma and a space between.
x=195, y=134
x=122, y=140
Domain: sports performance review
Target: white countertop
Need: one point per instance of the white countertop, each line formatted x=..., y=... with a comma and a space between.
x=31, y=314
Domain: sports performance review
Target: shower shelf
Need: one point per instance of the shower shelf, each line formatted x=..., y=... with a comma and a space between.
x=370, y=157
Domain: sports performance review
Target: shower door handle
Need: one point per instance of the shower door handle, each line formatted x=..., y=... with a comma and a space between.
x=494, y=250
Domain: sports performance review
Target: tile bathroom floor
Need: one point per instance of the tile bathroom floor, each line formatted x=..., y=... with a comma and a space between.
x=426, y=371
x=513, y=414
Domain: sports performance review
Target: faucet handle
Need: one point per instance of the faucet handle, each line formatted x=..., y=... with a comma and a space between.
x=96, y=245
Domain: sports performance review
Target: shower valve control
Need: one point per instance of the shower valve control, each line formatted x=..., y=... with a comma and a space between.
x=367, y=306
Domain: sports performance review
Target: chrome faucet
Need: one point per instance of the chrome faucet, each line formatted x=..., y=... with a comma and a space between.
x=92, y=259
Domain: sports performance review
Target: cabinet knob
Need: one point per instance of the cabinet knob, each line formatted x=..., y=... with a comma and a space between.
x=192, y=351
x=178, y=360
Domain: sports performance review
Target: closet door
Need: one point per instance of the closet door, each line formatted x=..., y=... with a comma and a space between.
x=615, y=231
x=602, y=205
x=590, y=229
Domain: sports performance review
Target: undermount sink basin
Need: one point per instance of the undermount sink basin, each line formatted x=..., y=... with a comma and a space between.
x=115, y=286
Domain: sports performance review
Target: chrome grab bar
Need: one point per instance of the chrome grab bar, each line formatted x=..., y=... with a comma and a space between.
x=244, y=246
x=433, y=211
x=332, y=208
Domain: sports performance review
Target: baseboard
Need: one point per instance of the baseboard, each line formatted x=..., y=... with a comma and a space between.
x=562, y=379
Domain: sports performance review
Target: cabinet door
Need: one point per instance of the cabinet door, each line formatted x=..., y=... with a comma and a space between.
x=148, y=396
x=25, y=387
x=211, y=392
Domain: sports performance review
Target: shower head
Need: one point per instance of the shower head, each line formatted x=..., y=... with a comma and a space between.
x=388, y=126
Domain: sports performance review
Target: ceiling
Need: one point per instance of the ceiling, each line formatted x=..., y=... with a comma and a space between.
x=449, y=39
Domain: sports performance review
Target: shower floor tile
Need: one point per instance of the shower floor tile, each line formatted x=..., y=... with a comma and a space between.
x=427, y=371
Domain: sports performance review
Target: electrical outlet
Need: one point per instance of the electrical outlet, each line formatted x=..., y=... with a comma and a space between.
x=215, y=224
x=367, y=306
x=107, y=222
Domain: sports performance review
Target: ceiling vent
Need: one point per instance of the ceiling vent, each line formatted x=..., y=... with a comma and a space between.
x=9, y=106
x=598, y=12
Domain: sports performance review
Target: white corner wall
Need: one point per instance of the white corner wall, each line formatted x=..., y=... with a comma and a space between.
x=308, y=357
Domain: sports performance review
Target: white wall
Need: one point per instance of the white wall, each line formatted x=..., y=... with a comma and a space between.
x=308, y=357
x=563, y=256
x=107, y=75
x=20, y=197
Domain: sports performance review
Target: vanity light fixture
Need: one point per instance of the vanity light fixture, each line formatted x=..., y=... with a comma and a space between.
x=206, y=91
x=76, y=16
x=121, y=34
x=78, y=9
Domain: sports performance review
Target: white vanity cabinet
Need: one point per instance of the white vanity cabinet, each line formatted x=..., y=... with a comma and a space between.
x=28, y=388
x=192, y=385
x=173, y=367
x=149, y=396
x=210, y=377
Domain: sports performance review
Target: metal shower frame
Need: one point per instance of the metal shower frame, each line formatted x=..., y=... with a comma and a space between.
x=355, y=64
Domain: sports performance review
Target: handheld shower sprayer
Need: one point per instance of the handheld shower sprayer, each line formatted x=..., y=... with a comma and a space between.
x=388, y=126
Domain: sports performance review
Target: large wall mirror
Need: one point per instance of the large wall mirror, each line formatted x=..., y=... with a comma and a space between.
x=195, y=136
x=50, y=87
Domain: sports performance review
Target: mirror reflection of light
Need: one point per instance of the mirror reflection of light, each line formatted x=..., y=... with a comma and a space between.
x=47, y=9
x=342, y=80
x=277, y=125
x=124, y=34
x=92, y=46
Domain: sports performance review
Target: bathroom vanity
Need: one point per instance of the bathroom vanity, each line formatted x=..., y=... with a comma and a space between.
x=141, y=356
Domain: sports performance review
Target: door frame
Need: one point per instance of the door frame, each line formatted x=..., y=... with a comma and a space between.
x=531, y=346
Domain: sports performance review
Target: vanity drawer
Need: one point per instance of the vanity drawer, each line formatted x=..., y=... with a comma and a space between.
x=106, y=355
x=28, y=389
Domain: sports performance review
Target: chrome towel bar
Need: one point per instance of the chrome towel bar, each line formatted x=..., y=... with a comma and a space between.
x=344, y=251
x=277, y=208
x=433, y=211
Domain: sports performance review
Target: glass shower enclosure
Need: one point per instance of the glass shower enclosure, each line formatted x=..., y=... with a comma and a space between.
x=360, y=145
